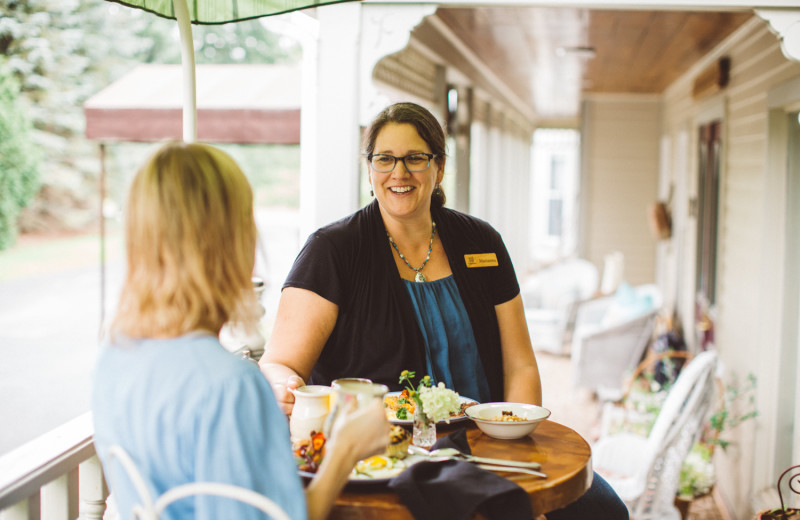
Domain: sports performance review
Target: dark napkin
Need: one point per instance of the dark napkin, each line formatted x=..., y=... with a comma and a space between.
x=453, y=490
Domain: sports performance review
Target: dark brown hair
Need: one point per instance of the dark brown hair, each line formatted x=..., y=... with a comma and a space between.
x=427, y=127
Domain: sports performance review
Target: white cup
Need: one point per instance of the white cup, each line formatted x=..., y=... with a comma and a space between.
x=349, y=394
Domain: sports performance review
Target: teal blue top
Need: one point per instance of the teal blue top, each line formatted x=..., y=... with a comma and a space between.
x=451, y=353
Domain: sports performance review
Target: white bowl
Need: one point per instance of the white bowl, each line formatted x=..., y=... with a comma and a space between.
x=483, y=415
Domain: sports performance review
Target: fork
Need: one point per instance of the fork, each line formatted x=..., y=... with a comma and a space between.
x=454, y=454
x=509, y=469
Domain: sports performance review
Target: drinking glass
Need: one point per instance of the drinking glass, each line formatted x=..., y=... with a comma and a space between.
x=350, y=393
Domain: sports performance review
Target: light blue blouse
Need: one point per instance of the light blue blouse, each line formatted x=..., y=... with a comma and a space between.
x=451, y=353
x=187, y=410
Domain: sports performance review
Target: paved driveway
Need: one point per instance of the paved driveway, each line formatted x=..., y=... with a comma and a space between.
x=49, y=333
x=48, y=339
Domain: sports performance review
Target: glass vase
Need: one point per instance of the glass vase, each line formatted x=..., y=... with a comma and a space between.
x=424, y=434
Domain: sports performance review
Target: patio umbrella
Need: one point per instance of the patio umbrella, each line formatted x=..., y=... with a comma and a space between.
x=211, y=12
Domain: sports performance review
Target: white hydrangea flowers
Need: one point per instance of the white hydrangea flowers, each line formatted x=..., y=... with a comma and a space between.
x=439, y=402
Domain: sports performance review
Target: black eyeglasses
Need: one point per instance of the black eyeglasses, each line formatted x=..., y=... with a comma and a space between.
x=415, y=162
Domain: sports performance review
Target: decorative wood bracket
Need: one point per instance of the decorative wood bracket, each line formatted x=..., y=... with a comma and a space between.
x=786, y=24
x=385, y=29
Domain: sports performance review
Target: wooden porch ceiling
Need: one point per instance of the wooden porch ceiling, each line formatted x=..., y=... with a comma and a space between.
x=551, y=56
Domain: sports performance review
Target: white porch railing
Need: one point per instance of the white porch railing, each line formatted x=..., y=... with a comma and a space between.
x=55, y=477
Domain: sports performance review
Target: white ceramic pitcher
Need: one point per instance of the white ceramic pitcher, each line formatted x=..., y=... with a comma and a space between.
x=311, y=409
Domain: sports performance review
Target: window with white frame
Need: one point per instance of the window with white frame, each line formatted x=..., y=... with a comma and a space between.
x=554, y=194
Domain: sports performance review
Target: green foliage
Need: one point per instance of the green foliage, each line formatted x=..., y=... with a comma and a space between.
x=643, y=404
x=247, y=42
x=273, y=171
x=697, y=473
x=19, y=172
x=61, y=52
x=737, y=407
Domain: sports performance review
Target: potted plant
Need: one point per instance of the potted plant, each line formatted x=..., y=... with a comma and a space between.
x=697, y=476
x=642, y=402
x=783, y=512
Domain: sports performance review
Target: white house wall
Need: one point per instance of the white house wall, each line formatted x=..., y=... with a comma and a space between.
x=743, y=291
x=620, y=147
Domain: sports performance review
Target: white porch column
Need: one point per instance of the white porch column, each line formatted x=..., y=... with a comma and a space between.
x=329, y=126
x=339, y=98
x=520, y=205
x=495, y=163
x=479, y=159
x=510, y=199
x=501, y=182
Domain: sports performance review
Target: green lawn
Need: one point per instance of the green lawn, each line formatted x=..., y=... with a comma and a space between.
x=34, y=256
x=273, y=171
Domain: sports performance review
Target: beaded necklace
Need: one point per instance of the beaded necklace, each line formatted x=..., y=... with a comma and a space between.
x=419, y=277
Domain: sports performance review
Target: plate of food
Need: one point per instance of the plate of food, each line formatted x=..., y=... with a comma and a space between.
x=375, y=470
x=400, y=408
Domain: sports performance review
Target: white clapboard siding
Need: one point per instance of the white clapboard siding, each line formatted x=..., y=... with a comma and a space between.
x=757, y=65
x=620, y=181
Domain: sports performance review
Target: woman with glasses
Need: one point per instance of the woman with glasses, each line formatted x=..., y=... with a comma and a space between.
x=408, y=284
x=165, y=390
x=405, y=284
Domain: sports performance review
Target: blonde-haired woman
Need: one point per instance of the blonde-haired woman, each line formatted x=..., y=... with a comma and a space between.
x=165, y=390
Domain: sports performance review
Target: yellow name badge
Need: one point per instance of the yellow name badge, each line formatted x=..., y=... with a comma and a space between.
x=481, y=260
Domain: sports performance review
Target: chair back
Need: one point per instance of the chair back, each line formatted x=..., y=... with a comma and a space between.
x=149, y=509
x=601, y=359
x=676, y=429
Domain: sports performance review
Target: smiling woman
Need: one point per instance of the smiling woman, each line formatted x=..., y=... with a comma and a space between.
x=396, y=287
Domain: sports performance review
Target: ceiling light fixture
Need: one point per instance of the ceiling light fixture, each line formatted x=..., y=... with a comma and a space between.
x=578, y=51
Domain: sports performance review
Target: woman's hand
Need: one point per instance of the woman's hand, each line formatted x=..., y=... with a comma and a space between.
x=363, y=432
x=282, y=380
x=356, y=435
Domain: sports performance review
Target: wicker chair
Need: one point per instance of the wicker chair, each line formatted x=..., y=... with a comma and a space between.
x=604, y=350
x=645, y=472
x=551, y=300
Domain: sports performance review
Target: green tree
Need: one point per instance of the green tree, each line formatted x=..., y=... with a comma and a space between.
x=18, y=161
x=247, y=42
x=63, y=51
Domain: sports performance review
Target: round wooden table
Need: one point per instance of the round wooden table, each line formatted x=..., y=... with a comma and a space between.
x=564, y=455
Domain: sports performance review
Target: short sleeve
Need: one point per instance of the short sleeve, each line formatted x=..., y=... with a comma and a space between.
x=317, y=268
x=505, y=287
x=243, y=439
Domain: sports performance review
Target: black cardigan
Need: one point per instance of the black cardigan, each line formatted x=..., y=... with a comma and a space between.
x=350, y=263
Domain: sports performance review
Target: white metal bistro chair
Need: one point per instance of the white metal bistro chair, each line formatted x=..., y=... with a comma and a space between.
x=150, y=509
x=645, y=471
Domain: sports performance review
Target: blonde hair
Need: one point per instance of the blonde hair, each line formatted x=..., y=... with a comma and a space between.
x=190, y=238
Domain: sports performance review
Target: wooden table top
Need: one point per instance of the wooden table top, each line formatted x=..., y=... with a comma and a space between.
x=564, y=455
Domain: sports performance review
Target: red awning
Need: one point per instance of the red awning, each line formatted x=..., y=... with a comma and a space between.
x=257, y=104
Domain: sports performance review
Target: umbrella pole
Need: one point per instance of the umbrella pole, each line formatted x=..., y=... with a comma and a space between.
x=187, y=59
